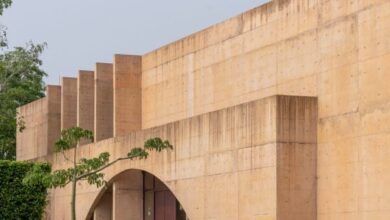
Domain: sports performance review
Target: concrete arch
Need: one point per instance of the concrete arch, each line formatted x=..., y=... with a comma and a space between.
x=133, y=174
x=235, y=163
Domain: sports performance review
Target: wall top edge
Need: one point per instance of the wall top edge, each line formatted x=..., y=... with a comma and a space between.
x=86, y=71
x=263, y=9
x=53, y=86
x=103, y=63
x=127, y=55
x=35, y=102
x=68, y=78
x=31, y=104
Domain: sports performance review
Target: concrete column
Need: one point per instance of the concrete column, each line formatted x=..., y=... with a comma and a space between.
x=103, y=101
x=128, y=196
x=85, y=101
x=103, y=210
x=296, y=154
x=68, y=102
x=127, y=94
x=53, y=94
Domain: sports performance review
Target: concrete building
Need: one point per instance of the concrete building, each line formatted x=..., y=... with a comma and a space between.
x=280, y=113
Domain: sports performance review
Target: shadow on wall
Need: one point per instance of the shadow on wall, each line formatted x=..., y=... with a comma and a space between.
x=138, y=194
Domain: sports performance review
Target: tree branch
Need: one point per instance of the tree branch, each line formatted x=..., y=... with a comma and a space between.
x=103, y=167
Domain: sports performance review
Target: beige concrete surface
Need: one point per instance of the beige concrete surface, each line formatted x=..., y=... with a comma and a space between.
x=85, y=101
x=260, y=155
x=127, y=196
x=335, y=50
x=103, y=101
x=53, y=117
x=127, y=94
x=68, y=102
x=42, y=122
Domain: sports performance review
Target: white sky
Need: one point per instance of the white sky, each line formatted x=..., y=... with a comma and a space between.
x=82, y=32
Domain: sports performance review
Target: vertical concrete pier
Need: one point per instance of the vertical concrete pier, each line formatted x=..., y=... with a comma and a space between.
x=85, y=101
x=68, y=102
x=103, y=104
x=54, y=116
x=127, y=194
x=127, y=94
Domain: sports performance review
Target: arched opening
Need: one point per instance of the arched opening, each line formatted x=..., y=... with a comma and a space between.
x=136, y=194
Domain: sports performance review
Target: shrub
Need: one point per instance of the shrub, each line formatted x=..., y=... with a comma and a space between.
x=18, y=200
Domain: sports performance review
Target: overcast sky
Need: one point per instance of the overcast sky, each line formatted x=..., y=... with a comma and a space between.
x=82, y=32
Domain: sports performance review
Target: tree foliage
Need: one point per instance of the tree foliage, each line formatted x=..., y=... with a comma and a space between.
x=89, y=169
x=71, y=137
x=3, y=34
x=83, y=169
x=19, y=201
x=4, y=4
x=21, y=82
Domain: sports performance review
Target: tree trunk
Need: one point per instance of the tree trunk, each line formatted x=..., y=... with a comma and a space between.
x=74, y=182
x=73, y=202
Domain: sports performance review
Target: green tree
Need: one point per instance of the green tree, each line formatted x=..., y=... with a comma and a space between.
x=3, y=34
x=17, y=200
x=21, y=82
x=89, y=170
x=4, y=4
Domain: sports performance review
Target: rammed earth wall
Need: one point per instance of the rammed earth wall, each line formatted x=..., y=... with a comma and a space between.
x=337, y=51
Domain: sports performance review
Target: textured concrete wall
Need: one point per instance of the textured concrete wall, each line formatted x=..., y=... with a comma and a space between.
x=255, y=160
x=42, y=121
x=85, y=101
x=335, y=50
x=54, y=116
x=289, y=47
x=338, y=51
x=127, y=94
x=68, y=102
x=127, y=196
x=31, y=142
x=103, y=106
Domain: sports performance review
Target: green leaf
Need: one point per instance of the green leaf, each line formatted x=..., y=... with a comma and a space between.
x=157, y=144
x=17, y=199
x=4, y=4
x=137, y=153
x=21, y=82
x=71, y=137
